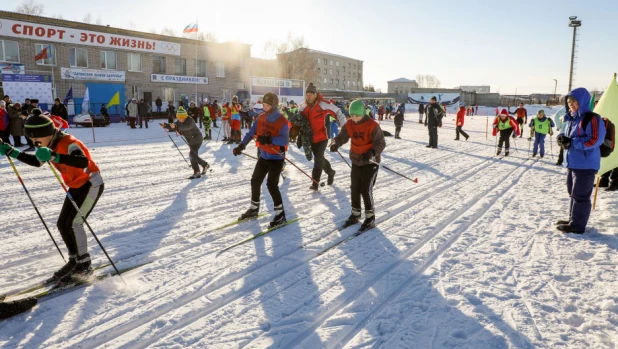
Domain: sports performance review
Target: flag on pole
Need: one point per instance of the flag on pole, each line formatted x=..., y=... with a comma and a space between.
x=592, y=99
x=115, y=100
x=68, y=97
x=608, y=108
x=86, y=103
x=45, y=53
x=191, y=28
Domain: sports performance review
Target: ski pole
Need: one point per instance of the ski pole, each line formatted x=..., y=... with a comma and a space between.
x=346, y=161
x=529, y=142
x=551, y=148
x=415, y=180
x=84, y=219
x=256, y=159
x=168, y=134
x=33, y=204
x=305, y=173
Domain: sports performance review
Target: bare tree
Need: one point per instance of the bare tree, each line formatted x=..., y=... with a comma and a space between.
x=202, y=36
x=31, y=7
x=99, y=20
x=428, y=81
x=168, y=31
x=87, y=18
x=273, y=48
x=57, y=17
x=369, y=88
x=132, y=25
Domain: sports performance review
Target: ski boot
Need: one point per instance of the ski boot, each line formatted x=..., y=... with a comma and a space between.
x=230, y=141
x=314, y=186
x=206, y=167
x=195, y=175
x=533, y=155
x=541, y=156
x=369, y=222
x=81, y=272
x=499, y=151
x=62, y=272
x=252, y=212
x=612, y=187
x=353, y=219
x=506, y=152
x=331, y=177
x=279, y=217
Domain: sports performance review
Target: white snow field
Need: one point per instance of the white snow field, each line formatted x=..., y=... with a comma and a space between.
x=467, y=258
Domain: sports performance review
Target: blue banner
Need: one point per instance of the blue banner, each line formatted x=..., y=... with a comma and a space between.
x=25, y=78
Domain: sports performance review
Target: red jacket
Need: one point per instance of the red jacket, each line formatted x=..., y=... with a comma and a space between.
x=513, y=123
x=460, y=116
x=317, y=113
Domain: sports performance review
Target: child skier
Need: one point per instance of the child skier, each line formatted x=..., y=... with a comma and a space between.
x=79, y=172
x=271, y=130
x=206, y=119
x=185, y=126
x=226, y=114
x=507, y=125
x=367, y=145
x=398, y=121
x=541, y=125
x=460, y=123
x=235, y=109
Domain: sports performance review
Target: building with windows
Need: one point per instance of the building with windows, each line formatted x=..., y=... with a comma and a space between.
x=477, y=89
x=401, y=85
x=327, y=71
x=73, y=56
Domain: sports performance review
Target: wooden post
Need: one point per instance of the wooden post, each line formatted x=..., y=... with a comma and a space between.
x=596, y=190
x=486, y=128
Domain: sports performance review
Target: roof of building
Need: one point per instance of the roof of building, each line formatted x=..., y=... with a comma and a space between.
x=402, y=80
x=321, y=52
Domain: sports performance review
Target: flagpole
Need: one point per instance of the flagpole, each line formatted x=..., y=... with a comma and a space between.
x=196, y=29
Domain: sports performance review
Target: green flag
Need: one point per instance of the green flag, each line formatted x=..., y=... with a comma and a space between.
x=608, y=108
x=592, y=99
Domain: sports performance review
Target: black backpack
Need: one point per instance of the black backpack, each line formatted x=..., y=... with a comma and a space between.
x=607, y=147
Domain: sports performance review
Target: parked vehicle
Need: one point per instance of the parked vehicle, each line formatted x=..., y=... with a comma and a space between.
x=89, y=120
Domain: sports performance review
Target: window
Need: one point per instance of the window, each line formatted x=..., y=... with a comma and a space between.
x=337, y=63
x=331, y=72
x=158, y=65
x=332, y=62
x=319, y=60
x=201, y=68
x=349, y=74
x=325, y=80
x=354, y=66
x=332, y=81
x=353, y=83
x=108, y=60
x=354, y=75
x=325, y=61
x=348, y=83
x=46, y=61
x=337, y=72
x=337, y=82
x=325, y=71
x=180, y=66
x=9, y=51
x=350, y=65
x=319, y=71
x=220, y=69
x=78, y=57
x=135, y=61
x=240, y=85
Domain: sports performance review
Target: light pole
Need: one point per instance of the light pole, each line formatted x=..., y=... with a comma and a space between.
x=574, y=23
x=555, y=86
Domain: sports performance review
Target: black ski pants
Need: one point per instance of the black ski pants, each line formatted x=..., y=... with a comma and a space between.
x=504, y=138
x=273, y=169
x=363, y=179
x=319, y=162
x=459, y=131
x=194, y=157
x=397, y=130
x=433, y=136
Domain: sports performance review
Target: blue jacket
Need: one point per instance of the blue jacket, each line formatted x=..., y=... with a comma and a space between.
x=584, y=153
x=282, y=140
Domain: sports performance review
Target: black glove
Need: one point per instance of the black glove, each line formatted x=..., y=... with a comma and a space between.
x=238, y=150
x=564, y=142
x=496, y=126
x=514, y=135
x=334, y=147
x=368, y=156
x=265, y=139
x=299, y=141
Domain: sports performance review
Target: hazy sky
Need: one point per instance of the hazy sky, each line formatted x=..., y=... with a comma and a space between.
x=509, y=45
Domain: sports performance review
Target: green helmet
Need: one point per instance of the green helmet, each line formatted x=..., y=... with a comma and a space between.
x=357, y=108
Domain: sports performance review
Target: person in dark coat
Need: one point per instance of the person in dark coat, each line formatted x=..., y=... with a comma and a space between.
x=159, y=104
x=399, y=117
x=142, y=110
x=171, y=112
x=421, y=112
x=60, y=110
x=433, y=121
x=16, y=123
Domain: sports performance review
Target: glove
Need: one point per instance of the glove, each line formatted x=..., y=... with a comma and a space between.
x=529, y=139
x=7, y=149
x=238, y=150
x=440, y=124
x=514, y=135
x=368, y=156
x=334, y=147
x=265, y=139
x=564, y=142
x=45, y=154
x=495, y=126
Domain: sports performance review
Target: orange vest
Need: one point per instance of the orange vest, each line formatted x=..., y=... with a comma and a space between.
x=521, y=113
x=74, y=177
x=265, y=128
x=360, y=134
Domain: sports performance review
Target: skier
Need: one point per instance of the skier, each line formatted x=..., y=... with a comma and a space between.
x=421, y=112
x=315, y=109
x=583, y=135
x=8, y=309
x=194, y=113
x=185, y=126
x=460, y=123
x=522, y=117
x=507, y=125
x=433, y=121
x=235, y=109
x=206, y=118
x=79, y=172
x=540, y=126
x=399, y=117
x=217, y=111
x=171, y=111
x=226, y=114
x=367, y=145
x=271, y=131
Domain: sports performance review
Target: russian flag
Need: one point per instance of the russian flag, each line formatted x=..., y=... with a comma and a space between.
x=191, y=28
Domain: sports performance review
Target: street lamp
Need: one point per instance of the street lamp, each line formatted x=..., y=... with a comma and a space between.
x=574, y=23
x=555, y=86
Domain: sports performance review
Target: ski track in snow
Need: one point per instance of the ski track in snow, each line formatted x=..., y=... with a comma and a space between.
x=466, y=258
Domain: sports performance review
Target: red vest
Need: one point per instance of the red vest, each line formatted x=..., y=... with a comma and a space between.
x=74, y=177
x=360, y=134
x=265, y=128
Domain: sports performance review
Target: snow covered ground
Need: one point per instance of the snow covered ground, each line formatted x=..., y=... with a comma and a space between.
x=466, y=258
